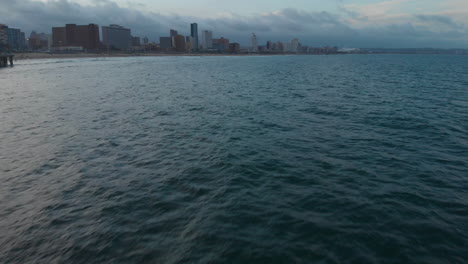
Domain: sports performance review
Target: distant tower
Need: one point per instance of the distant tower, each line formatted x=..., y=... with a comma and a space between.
x=254, y=42
x=194, y=34
x=295, y=45
x=207, y=39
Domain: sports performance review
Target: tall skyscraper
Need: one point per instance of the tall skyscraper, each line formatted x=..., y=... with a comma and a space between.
x=207, y=39
x=254, y=43
x=117, y=37
x=174, y=33
x=194, y=34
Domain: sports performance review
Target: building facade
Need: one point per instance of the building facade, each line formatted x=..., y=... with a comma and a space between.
x=294, y=45
x=3, y=37
x=165, y=43
x=38, y=41
x=179, y=43
x=207, y=39
x=136, y=41
x=16, y=40
x=194, y=34
x=221, y=44
x=72, y=35
x=254, y=43
x=234, y=48
x=116, y=37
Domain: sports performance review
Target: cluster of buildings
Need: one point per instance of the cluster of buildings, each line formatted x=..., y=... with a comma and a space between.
x=11, y=39
x=92, y=38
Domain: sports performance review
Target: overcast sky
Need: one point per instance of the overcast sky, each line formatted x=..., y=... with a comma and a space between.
x=344, y=23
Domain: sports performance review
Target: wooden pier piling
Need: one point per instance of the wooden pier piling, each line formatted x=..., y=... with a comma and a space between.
x=5, y=58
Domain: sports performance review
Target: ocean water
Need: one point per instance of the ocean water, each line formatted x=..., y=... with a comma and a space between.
x=269, y=159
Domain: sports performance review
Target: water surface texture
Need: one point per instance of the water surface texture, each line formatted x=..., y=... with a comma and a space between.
x=270, y=159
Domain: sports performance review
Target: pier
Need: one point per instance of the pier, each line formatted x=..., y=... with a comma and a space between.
x=5, y=59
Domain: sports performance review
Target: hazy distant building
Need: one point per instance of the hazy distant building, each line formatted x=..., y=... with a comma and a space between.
x=254, y=43
x=279, y=47
x=165, y=42
x=3, y=37
x=294, y=45
x=179, y=43
x=23, y=40
x=207, y=39
x=194, y=34
x=269, y=45
x=174, y=33
x=38, y=41
x=136, y=41
x=234, y=48
x=72, y=35
x=287, y=47
x=145, y=40
x=221, y=44
x=188, y=43
x=116, y=37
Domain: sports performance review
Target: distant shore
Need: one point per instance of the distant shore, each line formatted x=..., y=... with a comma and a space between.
x=29, y=56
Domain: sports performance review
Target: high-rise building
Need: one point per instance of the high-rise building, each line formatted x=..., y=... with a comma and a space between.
x=234, y=48
x=179, y=43
x=269, y=45
x=117, y=37
x=72, y=35
x=254, y=43
x=279, y=47
x=145, y=40
x=207, y=39
x=165, y=43
x=221, y=44
x=294, y=45
x=15, y=39
x=59, y=37
x=136, y=41
x=3, y=37
x=174, y=33
x=23, y=41
x=38, y=41
x=286, y=47
x=188, y=43
x=194, y=34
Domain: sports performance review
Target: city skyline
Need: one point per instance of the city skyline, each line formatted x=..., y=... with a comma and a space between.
x=343, y=23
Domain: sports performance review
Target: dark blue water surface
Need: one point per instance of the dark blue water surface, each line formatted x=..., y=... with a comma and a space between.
x=275, y=159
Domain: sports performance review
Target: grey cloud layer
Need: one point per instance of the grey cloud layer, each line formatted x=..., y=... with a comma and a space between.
x=313, y=28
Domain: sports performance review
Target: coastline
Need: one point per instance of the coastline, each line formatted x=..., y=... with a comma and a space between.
x=33, y=56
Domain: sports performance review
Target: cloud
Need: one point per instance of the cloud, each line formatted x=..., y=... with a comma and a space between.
x=353, y=26
x=438, y=19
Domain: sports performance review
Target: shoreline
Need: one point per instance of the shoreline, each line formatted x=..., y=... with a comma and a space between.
x=33, y=56
x=37, y=55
